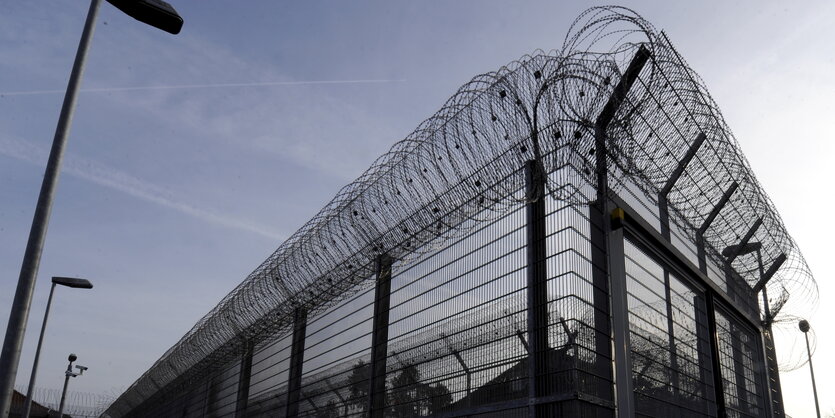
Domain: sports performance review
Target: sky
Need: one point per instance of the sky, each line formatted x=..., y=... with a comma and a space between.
x=193, y=156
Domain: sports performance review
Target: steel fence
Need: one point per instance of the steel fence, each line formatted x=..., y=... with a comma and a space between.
x=575, y=234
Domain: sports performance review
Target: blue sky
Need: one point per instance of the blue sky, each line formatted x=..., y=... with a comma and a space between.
x=193, y=156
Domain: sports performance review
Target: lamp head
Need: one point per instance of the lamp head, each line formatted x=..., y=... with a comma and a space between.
x=156, y=13
x=73, y=282
x=72, y=358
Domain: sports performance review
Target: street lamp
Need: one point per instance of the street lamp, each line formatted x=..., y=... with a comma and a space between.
x=804, y=326
x=153, y=12
x=63, y=281
x=67, y=375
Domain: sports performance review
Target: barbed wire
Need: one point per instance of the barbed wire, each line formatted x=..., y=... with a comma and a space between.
x=77, y=404
x=463, y=163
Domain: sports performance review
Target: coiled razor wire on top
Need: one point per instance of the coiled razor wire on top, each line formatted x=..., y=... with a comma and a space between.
x=460, y=164
x=76, y=404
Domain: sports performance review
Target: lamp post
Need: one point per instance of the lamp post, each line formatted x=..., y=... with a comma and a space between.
x=63, y=281
x=804, y=326
x=67, y=375
x=156, y=13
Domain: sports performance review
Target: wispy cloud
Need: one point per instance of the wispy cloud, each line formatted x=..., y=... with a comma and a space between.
x=201, y=86
x=123, y=182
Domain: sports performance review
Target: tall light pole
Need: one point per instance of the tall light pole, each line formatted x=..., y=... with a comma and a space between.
x=156, y=13
x=63, y=281
x=804, y=326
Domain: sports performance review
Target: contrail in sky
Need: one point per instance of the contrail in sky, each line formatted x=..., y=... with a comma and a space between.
x=201, y=86
x=120, y=181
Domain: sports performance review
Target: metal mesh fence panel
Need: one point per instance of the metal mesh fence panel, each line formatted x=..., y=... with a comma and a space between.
x=741, y=367
x=671, y=359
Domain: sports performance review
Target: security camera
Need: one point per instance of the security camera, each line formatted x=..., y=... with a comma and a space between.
x=73, y=358
x=81, y=369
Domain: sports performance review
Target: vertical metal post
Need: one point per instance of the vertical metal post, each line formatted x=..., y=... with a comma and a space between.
x=600, y=296
x=775, y=389
x=207, y=395
x=770, y=407
x=775, y=392
x=620, y=321
x=537, y=283
x=464, y=367
x=467, y=372
x=602, y=239
x=664, y=216
x=704, y=340
x=211, y=396
x=468, y=376
x=700, y=253
x=67, y=376
x=674, y=379
x=812, y=371
x=294, y=378
x=187, y=403
x=244, y=377
x=469, y=387
x=16, y=328
x=379, y=338
x=773, y=369
x=718, y=385
x=735, y=335
x=27, y=406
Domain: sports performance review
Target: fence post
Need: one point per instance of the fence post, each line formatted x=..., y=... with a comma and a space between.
x=602, y=239
x=770, y=356
x=537, y=282
x=294, y=378
x=379, y=338
x=243, y=381
x=620, y=317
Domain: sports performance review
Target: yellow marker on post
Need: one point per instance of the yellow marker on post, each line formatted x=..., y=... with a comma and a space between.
x=618, y=216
